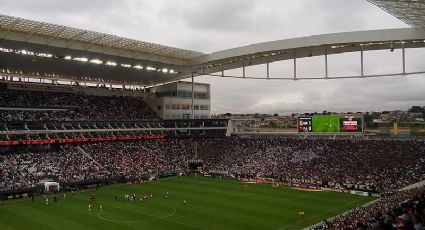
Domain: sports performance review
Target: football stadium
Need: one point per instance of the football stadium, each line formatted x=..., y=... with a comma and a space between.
x=99, y=131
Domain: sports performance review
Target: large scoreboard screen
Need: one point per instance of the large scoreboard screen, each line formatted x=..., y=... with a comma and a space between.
x=351, y=123
x=304, y=124
x=326, y=124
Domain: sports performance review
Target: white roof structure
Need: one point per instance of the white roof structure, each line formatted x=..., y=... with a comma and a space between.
x=411, y=12
x=56, y=33
x=317, y=45
x=136, y=62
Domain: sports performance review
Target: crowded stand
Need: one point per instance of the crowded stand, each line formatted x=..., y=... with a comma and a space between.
x=9, y=179
x=35, y=166
x=369, y=165
x=76, y=166
x=398, y=210
x=366, y=165
x=134, y=159
x=53, y=106
x=107, y=160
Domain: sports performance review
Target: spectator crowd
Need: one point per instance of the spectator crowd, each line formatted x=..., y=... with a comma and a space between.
x=9, y=179
x=131, y=160
x=137, y=159
x=370, y=165
x=54, y=106
x=399, y=210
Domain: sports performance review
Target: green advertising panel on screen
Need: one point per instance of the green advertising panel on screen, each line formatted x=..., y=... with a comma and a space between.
x=326, y=123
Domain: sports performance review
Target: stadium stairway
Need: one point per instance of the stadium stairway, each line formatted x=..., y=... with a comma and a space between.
x=9, y=163
x=57, y=163
x=81, y=150
x=415, y=185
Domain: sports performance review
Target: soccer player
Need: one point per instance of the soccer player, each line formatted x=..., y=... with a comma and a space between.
x=46, y=199
x=101, y=208
x=89, y=207
x=166, y=195
x=64, y=196
x=93, y=197
x=184, y=202
x=301, y=213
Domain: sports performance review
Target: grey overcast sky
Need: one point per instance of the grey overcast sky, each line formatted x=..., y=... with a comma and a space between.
x=212, y=25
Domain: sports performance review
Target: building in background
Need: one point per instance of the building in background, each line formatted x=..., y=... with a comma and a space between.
x=174, y=100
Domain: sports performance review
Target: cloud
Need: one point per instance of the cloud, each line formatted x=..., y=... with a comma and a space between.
x=217, y=15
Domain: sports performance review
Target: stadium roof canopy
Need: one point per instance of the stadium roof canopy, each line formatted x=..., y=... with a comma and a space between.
x=136, y=62
x=57, y=34
x=317, y=45
x=411, y=12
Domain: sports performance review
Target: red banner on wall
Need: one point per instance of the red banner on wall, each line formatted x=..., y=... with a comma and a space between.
x=77, y=140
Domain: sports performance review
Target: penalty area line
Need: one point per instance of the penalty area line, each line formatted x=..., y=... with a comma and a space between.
x=153, y=217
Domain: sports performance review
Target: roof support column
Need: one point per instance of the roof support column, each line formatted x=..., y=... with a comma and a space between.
x=326, y=63
x=295, y=65
x=243, y=69
x=268, y=69
x=404, y=59
x=193, y=97
x=362, y=62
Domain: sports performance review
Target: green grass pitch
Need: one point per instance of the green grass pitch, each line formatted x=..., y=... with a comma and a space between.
x=211, y=204
x=326, y=124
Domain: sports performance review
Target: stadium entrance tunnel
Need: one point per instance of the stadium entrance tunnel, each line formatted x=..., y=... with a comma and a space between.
x=195, y=166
